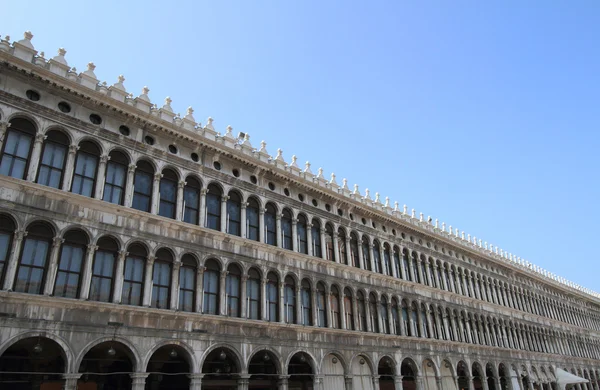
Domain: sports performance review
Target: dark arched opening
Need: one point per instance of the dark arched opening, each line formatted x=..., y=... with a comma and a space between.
x=107, y=366
x=169, y=369
x=300, y=372
x=385, y=370
x=220, y=370
x=263, y=371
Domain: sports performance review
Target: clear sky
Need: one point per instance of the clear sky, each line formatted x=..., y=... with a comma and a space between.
x=483, y=114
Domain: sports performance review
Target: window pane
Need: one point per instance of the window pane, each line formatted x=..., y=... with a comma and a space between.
x=16, y=153
x=69, y=268
x=32, y=266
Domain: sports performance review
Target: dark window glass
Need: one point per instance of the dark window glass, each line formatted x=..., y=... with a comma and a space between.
x=84, y=178
x=252, y=220
x=142, y=187
x=343, y=256
x=69, y=267
x=32, y=95
x=272, y=299
x=329, y=243
x=321, y=307
x=211, y=290
x=191, y=201
x=15, y=154
x=253, y=295
x=95, y=119
x=373, y=313
x=33, y=262
x=270, y=225
x=187, y=284
x=234, y=214
x=387, y=267
x=168, y=194
x=232, y=289
x=354, y=251
x=306, y=302
x=116, y=176
x=302, y=235
x=384, y=316
x=133, y=280
x=161, y=284
x=52, y=163
x=406, y=320
x=7, y=228
x=348, y=313
x=64, y=107
x=286, y=230
x=377, y=257
x=103, y=275
x=124, y=130
x=213, y=208
x=362, y=313
x=366, y=253
x=316, y=239
x=405, y=265
x=396, y=318
x=397, y=262
x=334, y=301
x=289, y=296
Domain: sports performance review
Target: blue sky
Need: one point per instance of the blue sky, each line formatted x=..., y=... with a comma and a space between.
x=482, y=114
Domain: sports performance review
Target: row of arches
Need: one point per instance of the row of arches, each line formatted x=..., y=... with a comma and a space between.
x=70, y=266
x=84, y=169
x=46, y=360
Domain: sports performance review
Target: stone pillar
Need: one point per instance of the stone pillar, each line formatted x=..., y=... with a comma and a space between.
x=224, y=214
x=278, y=235
x=446, y=325
x=324, y=244
x=69, y=166
x=361, y=260
x=401, y=265
x=420, y=269
x=222, y=310
x=34, y=160
x=470, y=383
x=348, y=258
x=309, y=240
x=53, y=265
x=244, y=296
x=439, y=383
x=282, y=307
x=419, y=383
x=13, y=259
x=129, y=185
x=119, y=276
x=196, y=381
x=243, y=220
x=397, y=383
x=376, y=382
x=282, y=382
x=336, y=248
x=299, y=311
x=179, y=208
x=348, y=382
x=199, y=289
x=86, y=279
x=202, y=211
x=342, y=311
x=368, y=314
x=148, y=276
x=261, y=225
x=295, y=235
x=318, y=382
x=379, y=319
x=374, y=266
x=313, y=302
x=243, y=382
x=263, y=301
x=329, y=314
x=393, y=263
x=99, y=190
x=173, y=305
x=356, y=319
x=156, y=193
x=70, y=381
x=138, y=380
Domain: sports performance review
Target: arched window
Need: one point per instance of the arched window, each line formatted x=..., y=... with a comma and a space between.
x=366, y=248
x=72, y=254
x=415, y=268
x=253, y=295
x=52, y=163
x=433, y=322
x=329, y=250
x=447, y=277
x=405, y=265
x=396, y=317
x=289, y=296
x=321, y=306
x=451, y=329
x=387, y=262
x=406, y=319
x=424, y=322
x=348, y=311
x=232, y=289
x=187, y=283
x=234, y=214
x=354, y=250
x=385, y=320
x=86, y=165
x=161, y=279
x=302, y=234
x=306, y=302
x=272, y=297
x=423, y=264
x=286, y=229
x=16, y=149
x=271, y=224
x=7, y=230
x=103, y=270
x=377, y=257
x=211, y=287
x=362, y=311
x=414, y=314
x=116, y=178
x=343, y=256
x=33, y=263
x=252, y=220
x=334, y=301
x=442, y=324
x=397, y=261
x=316, y=238
x=168, y=194
x=142, y=186
x=133, y=280
x=373, y=312
x=191, y=200
x=213, y=207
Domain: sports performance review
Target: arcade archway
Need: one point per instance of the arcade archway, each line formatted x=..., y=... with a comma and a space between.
x=169, y=369
x=107, y=366
x=300, y=371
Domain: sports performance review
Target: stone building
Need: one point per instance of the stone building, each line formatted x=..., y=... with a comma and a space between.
x=141, y=249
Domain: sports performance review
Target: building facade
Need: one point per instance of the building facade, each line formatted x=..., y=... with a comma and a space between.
x=140, y=249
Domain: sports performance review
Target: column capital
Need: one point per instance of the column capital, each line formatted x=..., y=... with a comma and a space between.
x=57, y=241
x=204, y=191
x=92, y=247
x=123, y=254
x=158, y=176
x=71, y=376
x=73, y=148
x=104, y=158
x=40, y=137
x=20, y=234
x=176, y=265
x=131, y=168
x=262, y=211
x=181, y=183
x=224, y=198
x=150, y=259
x=4, y=126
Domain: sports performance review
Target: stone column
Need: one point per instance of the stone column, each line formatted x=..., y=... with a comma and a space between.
x=348, y=258
x=199, y=289
x=395, y=267
x=392, y=324
x=34, y=160
x=69, y=166
x=99, y=190
x=13, y=259
x=329, y=314
x=324, y=244
x=196, y=381
x=361, y=260
x=278, y=235
x=224, y=214
x=202, y=211
x=439, y=384
x=3, y=128
x=119, y=276
x=357, y=324
x=70, y=381
x=309, y=239
x=53, y=265
x=401, y=265
x=438, y=323
x=243, y=221
x=371, y=255
x=244, y=296
x=315, y=311
x=376, y=382
x=86, y=279
x=299, y=311
x=420, y=269
x=261, y=225
x=336, y=248
x=129, y=185
x=156, y=193
x=446, y=325
x=222, y=310
x=263, y=301
x=470, y=383
x=379, y=320
x=419, y=383
x=397, y=383
x=148, y=276
x=318, y=382
x=179, y=207
x=295, y=235
x=343, y=311
x=282, y=307
x=282, y=382
x=138, y=380
x=368, y=314
x=243, y=382
x=173, y=305
x=348, y=382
